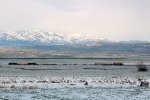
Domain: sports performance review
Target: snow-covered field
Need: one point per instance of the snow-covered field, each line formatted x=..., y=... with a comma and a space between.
x=73, y=88
x=88, y=93
x=73, y=83
x=62, y=82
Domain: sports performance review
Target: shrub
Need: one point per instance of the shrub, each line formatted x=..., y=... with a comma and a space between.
x=144, y=84
x=142, y=67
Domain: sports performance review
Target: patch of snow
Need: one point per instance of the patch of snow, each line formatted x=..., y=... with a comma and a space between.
x=61, y=82
x=50, y=37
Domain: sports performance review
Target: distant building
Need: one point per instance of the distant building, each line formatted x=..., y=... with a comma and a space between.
x=12, y=64
x=22, y=63
x=32, y=64
x=118, y=63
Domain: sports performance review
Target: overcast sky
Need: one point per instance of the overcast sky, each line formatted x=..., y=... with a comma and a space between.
x=114, y=19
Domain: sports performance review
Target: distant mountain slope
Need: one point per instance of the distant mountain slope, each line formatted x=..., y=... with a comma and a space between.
x=143, y=48
x=46, y=38
x=70, y=43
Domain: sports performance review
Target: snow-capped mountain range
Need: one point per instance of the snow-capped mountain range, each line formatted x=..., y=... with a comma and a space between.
x=58, y=42
x=27, y=37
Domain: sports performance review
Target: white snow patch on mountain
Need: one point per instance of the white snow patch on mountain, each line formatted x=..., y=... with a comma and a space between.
x=45, y=37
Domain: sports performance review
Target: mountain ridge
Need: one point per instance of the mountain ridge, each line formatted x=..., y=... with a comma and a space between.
x=32, y=38
x=57, y=42
x=47, y=38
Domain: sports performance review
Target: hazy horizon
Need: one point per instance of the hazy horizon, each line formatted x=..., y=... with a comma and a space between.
x=111, y=19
